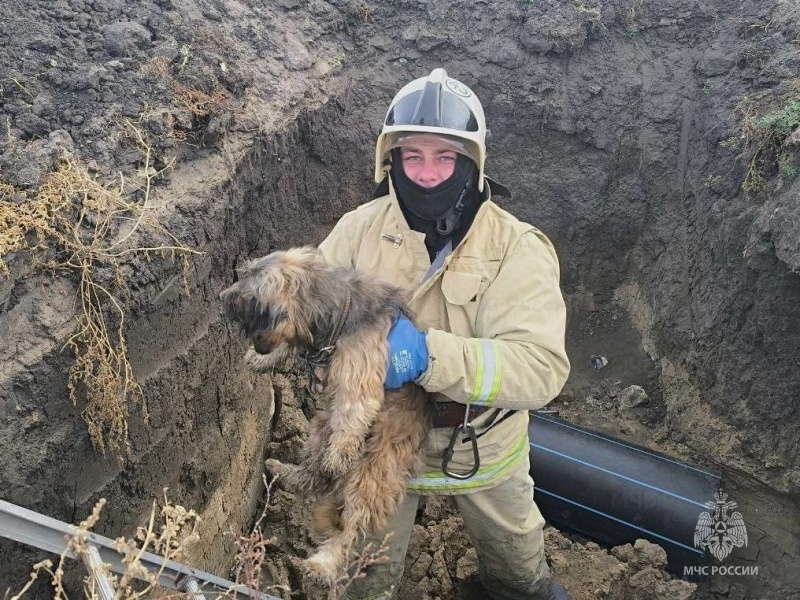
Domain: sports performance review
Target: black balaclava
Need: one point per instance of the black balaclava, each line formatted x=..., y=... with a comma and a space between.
x=443, y=212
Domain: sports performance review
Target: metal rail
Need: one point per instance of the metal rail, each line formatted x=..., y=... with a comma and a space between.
x=43, y=532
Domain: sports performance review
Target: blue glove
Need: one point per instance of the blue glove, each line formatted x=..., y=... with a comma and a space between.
x=408, y=354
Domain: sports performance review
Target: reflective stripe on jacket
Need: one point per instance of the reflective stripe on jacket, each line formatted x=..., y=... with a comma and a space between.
x=495, y=318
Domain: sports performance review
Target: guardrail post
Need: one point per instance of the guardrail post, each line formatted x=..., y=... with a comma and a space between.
x=91, y=558
x=189, y=584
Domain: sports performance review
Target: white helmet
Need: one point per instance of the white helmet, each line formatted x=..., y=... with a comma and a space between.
x=434, y=104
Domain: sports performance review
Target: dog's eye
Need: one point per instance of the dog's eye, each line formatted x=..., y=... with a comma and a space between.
x=269, y=321
x=278, y=317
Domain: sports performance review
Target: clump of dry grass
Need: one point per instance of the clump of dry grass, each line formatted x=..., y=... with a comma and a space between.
x=171, y=532
x=75, y=224
x=173, y=538
x=362, y=10
x=185, y=96
x=175, y=534
x=155, y=66
x=198, y=102
x=769, y=119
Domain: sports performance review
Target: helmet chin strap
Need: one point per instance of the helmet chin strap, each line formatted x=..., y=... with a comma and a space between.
x=449, y=222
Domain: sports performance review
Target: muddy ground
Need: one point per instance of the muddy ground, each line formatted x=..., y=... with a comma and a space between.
x=620, y=126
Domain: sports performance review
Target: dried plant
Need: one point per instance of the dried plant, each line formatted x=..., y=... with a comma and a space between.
x=170, y=540
x=155, y=66
x=769, y=119
x=251, y=549
x=171, y=532
x=75, y=224
x=358, y=565
x=362, y=10
x=199, y=103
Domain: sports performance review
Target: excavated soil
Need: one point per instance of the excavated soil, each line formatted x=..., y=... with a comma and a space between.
x=441, y=562
x=619, y=125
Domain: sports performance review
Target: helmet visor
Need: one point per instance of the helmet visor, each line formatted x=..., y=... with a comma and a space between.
x=433, y=107
x=416, y=139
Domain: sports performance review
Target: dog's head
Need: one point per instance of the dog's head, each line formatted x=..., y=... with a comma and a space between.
x=269, y=301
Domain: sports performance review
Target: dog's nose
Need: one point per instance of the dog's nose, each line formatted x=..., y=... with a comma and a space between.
x=262, y=346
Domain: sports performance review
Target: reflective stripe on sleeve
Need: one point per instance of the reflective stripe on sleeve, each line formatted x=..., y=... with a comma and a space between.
x=488, y=375
x=436, y=480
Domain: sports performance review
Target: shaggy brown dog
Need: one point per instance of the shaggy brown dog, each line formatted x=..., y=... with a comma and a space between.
x=360, y=450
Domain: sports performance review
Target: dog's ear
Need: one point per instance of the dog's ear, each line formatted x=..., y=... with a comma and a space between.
x=297, y=268
x=264, y=278
x=303, y=256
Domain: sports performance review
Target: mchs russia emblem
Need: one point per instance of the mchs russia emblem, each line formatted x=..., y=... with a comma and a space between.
x=721, y=529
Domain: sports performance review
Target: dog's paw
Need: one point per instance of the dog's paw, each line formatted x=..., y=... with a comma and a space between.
x=277, y=468
x=340, y=459
x=262, y=363
x=321, y=570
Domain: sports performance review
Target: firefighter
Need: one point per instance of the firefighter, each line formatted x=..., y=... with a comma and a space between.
x=488, y=343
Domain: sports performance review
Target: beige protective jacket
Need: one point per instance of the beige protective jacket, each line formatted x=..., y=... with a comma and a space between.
x=495, y=319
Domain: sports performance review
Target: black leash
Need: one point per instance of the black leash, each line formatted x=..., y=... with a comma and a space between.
x=319, y=359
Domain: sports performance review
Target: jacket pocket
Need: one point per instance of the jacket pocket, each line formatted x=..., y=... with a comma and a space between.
x=460, y=288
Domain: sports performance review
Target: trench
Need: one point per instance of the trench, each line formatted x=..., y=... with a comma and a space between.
x=606, y=280
x=613, y=136
x=597, y=206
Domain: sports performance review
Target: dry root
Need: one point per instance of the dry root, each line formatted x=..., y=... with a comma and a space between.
x=75, y=224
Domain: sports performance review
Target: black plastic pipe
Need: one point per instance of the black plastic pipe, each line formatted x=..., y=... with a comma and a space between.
x=616, y=492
